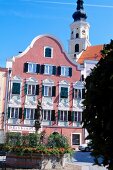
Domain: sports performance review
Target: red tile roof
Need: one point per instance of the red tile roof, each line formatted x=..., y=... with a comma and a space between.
x=91, y=53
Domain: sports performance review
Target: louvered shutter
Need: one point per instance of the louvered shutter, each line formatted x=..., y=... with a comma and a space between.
x=9, y=112
x=72, y=116
x=70, y=71
x=24, y=113
x=38, y=68
x=53, y=115
x=20, y=113
x=54, y=70
x=69, y=116
x=53, y=91
x=59, y=70
x=58, y=114
x=37, y=89
x=42, y=90
x=83, y=93
x=42, y=69
x=25, y=67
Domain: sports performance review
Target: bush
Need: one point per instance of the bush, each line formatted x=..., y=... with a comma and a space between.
x=57, y=140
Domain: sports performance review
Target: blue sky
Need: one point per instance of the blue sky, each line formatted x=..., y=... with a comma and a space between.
x=23, y=20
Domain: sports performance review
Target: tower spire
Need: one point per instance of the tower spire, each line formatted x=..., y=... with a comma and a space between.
x=80, y=13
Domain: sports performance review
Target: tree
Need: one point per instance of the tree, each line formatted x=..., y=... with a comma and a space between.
x=98, y=107
x=38, y=117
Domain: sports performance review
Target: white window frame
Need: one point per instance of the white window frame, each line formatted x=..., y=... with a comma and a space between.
x=31, y=89
x=46, y=115
x=76, y=90
x=48, y=69
x=76, y=114
x=63, y=112
x=51, y=51
x=79, y=138
x=64, y=70
x=46, y=93
x=28, y=117
x=14, y=117
x=32, y=70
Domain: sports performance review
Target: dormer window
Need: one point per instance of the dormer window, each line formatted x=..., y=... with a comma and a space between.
x=48, y=52
x=77, y=48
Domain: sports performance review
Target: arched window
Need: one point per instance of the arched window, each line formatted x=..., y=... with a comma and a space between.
x=48, y=52
x=77, y=35
x=77, y=48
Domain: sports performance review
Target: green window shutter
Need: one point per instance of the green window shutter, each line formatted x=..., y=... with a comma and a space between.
x=37, y=89
x=42, y=69
x=69, y=116
x=53, y=115
x=58, y=70
x=16, y=88
x=42, y=90
x=73, y=116
x=70, y=71
x=64, y=92
x=38, y=68
x=53, y=91
x=24, y=113
x=25, y=67
x=9, y=112
x=83, y=93
x=25, y=89
x=20, y=113
x=58, y=114
x=54, y=70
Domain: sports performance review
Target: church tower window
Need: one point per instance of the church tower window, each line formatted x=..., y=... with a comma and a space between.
x=77, y=48
x=77, y=35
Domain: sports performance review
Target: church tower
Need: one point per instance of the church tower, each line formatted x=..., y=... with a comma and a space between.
x=79, y=39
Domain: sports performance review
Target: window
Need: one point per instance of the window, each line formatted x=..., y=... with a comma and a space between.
x=31, y=89
x=48, y=52
x=29, y=113
x=77, y=35
x=63, y=116
x=64, y=92
x=77, y=116
x=75, y=139
x=77, y=48
x=49, y=91
x=16, y=88
x=49, y=115
x=32, y=68
x=79, y=93
x=66, y=71
x=46, y=115
x=48, y=69
x=14, y=112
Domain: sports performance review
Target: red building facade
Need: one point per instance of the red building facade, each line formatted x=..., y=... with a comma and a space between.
x=44, y=73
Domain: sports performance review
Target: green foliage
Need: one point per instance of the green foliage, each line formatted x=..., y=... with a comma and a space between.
x=57, y=140
x=13, y=139
x=27, y=140
x=98, y=107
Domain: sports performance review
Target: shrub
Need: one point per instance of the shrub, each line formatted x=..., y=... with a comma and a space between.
x=57, y=140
